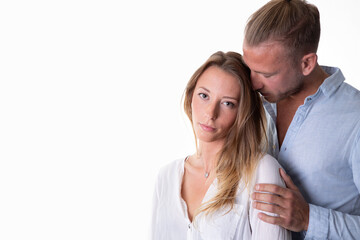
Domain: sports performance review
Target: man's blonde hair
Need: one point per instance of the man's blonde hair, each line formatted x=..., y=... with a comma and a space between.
x=293, y=23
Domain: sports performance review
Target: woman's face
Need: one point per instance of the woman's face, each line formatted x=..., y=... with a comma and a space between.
x=214, y=104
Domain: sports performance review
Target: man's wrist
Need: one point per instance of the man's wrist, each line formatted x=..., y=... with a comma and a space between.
x=318, y=226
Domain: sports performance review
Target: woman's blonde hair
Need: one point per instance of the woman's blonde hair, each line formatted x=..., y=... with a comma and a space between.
x=245, y=140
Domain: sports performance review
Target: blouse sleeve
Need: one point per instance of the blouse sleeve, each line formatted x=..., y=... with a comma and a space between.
x=154, y=215
x=267, y=172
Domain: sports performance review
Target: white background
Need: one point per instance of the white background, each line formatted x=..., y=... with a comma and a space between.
x=90, y=96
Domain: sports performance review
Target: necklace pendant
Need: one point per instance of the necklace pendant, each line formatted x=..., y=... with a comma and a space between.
x=206, y=174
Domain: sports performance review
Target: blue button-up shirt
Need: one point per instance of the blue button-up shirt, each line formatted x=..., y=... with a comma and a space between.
x=321, y=153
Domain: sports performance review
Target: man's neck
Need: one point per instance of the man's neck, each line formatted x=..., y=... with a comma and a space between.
x=312, y=82
x=287, y=107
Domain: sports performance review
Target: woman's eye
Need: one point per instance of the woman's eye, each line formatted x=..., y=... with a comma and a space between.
x=203, y=95
x=229, y=104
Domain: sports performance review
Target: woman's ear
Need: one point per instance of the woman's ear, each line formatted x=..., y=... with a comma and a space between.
x=308, y=63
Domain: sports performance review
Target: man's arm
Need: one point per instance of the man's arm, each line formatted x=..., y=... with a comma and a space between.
x=297, y=215
x=330, y=224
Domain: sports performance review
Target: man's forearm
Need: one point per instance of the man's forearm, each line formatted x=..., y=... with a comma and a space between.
x=329, y=224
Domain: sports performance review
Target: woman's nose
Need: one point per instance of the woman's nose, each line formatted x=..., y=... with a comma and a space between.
x=212, y=110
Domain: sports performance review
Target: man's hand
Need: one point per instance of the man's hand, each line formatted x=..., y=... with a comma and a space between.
x=288, y=203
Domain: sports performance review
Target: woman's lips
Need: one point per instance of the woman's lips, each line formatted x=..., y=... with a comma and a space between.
x=207, y=128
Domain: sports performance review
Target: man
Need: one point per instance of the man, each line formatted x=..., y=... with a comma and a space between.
x=313, y=122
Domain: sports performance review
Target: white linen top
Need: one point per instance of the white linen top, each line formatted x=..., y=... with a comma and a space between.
x=170, y=219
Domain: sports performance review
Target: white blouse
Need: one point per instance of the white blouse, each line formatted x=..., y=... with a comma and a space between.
x=170, y=219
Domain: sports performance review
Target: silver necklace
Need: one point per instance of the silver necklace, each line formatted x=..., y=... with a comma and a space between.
x=206, y=175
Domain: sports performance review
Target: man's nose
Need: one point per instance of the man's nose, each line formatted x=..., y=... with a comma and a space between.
x=255, y=81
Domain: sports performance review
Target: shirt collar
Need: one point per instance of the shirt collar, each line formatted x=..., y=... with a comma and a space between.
x=333, y=82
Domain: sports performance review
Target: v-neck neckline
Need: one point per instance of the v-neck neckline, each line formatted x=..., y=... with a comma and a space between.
x=207, y=196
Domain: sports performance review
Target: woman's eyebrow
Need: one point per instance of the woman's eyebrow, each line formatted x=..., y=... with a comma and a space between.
x=234, y=98
x=205, y=89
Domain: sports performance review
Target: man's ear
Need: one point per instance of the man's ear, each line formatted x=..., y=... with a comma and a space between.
x=308, y=63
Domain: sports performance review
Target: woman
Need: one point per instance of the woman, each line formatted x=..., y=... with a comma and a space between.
x=207, y=195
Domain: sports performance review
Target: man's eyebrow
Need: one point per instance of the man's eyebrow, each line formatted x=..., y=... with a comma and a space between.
x=265, y=73
x=260, y=72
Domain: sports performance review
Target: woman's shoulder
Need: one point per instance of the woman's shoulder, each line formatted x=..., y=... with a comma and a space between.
x=268, y=171
x=171, y=170
x=268, y=161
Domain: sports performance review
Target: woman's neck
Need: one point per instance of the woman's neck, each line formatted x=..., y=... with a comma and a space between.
x=207, y=155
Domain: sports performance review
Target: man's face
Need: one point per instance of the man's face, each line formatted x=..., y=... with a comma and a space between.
x=273, y=72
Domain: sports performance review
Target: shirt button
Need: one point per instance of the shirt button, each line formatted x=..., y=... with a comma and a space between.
x=274, y=146
x=189, y=226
